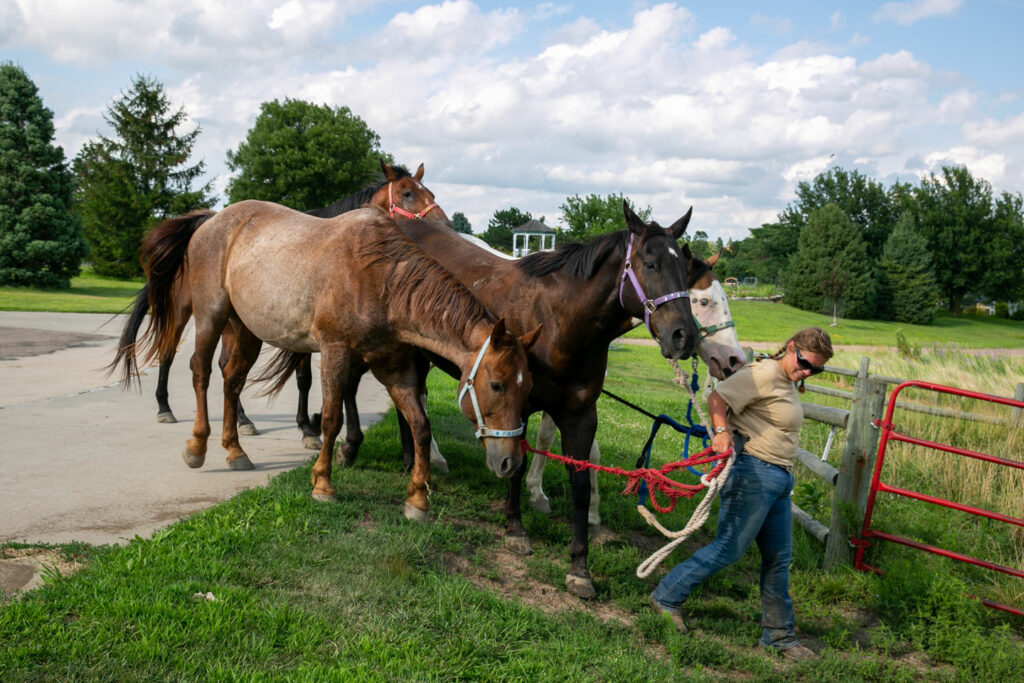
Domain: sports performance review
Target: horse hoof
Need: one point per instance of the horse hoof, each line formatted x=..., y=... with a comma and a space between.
x=193, y=461
x=325, y=497
x=248, y=429
x=520, y=545
x=414, y=514
x=594, y=519
x=440, y=466
x=312, y=443
x=580, y=586
x=166, y=418
x=541, y=505
x=242, y=462
x=341, y=460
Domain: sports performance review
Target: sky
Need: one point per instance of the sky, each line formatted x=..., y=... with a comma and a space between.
x=722, y=106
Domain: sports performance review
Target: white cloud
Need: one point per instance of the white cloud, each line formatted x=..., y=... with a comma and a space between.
x=908, y=13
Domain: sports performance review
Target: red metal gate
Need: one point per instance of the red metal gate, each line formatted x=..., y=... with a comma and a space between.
x=888, y=434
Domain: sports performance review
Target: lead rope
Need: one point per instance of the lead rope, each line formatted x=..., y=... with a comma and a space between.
x=703, y=510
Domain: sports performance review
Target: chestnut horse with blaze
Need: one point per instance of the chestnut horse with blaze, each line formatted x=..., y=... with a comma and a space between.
x=353, y=288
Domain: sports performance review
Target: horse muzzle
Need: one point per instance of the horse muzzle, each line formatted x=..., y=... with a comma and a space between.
x=678, y=342
x=504, y=455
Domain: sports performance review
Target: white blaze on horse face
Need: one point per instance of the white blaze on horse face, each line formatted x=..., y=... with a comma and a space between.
x=720, y=349
x=675, y=254
x=519, y=378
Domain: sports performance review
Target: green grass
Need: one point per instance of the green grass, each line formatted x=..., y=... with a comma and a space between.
x=764, y=322
x=352, y=591
x=89, y=293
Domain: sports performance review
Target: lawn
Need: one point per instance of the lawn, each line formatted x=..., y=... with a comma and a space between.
x=89, y=293
x=353, y=591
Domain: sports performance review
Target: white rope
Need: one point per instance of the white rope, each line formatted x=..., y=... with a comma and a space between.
x=703, y=511
x=697, y=519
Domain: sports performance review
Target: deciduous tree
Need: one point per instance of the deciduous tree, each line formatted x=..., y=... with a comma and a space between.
x=304, y=155
x=594, y=215
x=461, y=223
x=41, y=242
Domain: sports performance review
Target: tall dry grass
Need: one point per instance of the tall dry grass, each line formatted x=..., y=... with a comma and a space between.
x=953, y=477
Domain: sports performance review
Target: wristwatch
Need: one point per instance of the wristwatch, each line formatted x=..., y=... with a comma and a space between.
x=719, y=430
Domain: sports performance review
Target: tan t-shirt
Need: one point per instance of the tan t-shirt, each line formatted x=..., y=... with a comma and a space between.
x=764, y=406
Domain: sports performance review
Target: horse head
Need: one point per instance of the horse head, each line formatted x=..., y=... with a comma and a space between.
x=406, y=196
x=719, y=346
x=657, y=278
x=494, y=394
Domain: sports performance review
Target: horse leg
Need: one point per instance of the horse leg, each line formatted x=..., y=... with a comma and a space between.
x=335, y=374
x=437, y=460
x=244, y=352
x=535, y=478
x=353, y=433
x=406, y=398
x=516, y=539
x=227, y=346
x=164, y=413
x=304, y=381
x=201, y=362
x=577, y=440
x=594, y=514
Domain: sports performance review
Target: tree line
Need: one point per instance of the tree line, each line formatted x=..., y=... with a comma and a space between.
x=846, y=246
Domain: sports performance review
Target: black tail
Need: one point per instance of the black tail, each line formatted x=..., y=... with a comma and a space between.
x=280, y=368
x=125, y=357
x=163, y=260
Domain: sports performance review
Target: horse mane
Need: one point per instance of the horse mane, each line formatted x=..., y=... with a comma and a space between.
x=578, y=260
x=423, y=288
x=357, y=199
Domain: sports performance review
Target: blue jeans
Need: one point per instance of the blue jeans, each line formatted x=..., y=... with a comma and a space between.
x=754, y=506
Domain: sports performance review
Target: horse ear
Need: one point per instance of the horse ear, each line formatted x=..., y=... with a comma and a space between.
x=418, y=176
x=679, y=227
x=714, y=259
x=387, y=170
x=530, y=338
x=499, y=330
x=687, y=253
x=633, y=222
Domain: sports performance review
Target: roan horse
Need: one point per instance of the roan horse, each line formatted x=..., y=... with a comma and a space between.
x=398, y=193
x=719, y=348
x=579, y=293
x=356, y=290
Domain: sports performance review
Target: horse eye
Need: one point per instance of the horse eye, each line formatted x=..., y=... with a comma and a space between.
x=496, y=387
x=650, y=265
x=408, y=194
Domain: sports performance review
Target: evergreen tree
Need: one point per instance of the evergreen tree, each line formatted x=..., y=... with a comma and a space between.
x=139, y=177
x=41, y=241
x=304, y=155
x=907, y=289
x=500, y=227
x=460, y=223
x=830, y=271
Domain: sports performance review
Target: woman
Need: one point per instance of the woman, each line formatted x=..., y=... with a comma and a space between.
x=760, y=404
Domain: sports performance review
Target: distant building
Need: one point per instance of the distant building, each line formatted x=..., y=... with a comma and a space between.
x=532, y=236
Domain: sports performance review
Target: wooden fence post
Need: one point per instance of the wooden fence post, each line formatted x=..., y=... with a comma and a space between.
x=858, y=461
x=1018, y=395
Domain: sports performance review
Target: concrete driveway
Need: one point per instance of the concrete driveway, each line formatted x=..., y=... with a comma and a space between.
x=81, y=460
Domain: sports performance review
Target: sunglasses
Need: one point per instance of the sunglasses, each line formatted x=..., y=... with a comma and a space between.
x=806, y=364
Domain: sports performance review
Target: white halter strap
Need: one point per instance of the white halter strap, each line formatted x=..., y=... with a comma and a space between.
x=481, y=429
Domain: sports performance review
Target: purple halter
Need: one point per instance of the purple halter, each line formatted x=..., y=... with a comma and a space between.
x=650, y=305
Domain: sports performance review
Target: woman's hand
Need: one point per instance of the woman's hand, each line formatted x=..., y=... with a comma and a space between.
x=720, y=443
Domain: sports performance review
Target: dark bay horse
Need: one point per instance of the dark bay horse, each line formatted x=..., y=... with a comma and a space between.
x=584, y=296
x=353, y=288
x=400, y=193
x=718, y=347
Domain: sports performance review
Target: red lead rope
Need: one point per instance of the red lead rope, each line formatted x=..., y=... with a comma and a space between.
x=656, y=478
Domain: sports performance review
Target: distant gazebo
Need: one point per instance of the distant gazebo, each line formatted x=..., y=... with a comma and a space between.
x=532, y=236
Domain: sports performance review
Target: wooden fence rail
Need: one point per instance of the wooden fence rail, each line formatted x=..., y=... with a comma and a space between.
x=853, y=477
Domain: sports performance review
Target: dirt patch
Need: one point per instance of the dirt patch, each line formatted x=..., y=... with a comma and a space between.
x=21, y=569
